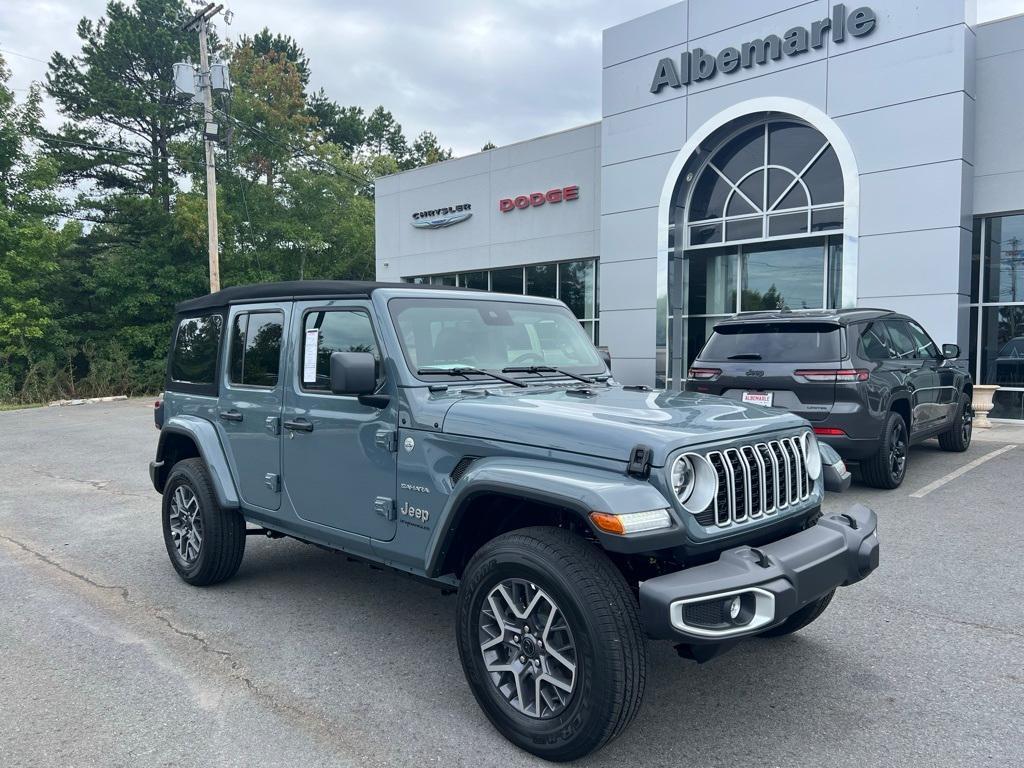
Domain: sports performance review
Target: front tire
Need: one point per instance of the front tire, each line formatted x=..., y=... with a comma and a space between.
x=888, y=467
x=204, y=541
x=541, y=611
x=957, y=438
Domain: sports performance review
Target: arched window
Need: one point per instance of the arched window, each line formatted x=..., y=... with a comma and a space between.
x=777, y=179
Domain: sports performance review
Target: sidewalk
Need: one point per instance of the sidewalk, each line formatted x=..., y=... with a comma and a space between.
x=1001, y=432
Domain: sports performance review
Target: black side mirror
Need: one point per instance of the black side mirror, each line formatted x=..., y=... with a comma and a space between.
x=606, y=356
x=951, y=351
x=353, y=373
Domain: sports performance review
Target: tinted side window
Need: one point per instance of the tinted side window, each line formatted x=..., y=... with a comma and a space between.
x=337, y=331
x=926, y=349
x=903, y=344
x=256, y=349
x=194, y=358
x=873, y=342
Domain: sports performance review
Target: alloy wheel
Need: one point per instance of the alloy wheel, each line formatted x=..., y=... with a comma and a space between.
x=898, y=450
x=186, y=524
x=528, y=648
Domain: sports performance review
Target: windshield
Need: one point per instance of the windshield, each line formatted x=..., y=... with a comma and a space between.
x=467, y=333
x=774, y=343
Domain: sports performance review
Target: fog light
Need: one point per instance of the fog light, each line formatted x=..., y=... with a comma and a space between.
x=734, y=608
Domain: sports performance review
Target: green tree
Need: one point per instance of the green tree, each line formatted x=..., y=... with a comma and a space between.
x=344, y=126
x=264, y=43
x=488, y=145
x=384, y=135
x=118, y=98
x=426, y=149
x=31, y=246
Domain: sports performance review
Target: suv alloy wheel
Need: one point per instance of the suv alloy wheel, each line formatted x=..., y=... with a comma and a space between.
x=958, y=437
x=888, y=467
x=550, y=640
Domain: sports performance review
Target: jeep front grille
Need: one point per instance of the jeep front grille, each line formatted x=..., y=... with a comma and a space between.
x=756, y=480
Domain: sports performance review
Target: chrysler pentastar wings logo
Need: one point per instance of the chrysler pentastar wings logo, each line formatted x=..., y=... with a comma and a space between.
x=441, y=217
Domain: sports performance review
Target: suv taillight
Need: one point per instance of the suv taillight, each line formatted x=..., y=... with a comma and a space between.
x=704, y=374
x=832, y=376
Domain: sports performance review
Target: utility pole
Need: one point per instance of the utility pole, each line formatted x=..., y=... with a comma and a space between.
x=200, y=22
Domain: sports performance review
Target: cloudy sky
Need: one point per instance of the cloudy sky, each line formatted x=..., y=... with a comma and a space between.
x=470, y=70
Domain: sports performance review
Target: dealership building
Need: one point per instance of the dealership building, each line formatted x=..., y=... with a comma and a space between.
x=755, y=154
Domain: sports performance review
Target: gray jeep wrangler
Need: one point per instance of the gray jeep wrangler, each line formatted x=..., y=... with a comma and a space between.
x=479, y=442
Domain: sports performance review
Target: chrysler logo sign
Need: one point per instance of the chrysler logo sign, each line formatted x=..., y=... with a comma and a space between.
x=698, y=64
x=441, y=217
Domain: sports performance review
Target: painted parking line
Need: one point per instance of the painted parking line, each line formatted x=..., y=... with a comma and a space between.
x=963, y=470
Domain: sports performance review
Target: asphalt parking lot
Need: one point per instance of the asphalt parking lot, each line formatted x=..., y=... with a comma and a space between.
x=306, y=658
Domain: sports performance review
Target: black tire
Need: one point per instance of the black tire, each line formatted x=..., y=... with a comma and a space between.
x=602, y=618
x=801, y=618
x=222, y=541
x=957, y=438
x=888, y=467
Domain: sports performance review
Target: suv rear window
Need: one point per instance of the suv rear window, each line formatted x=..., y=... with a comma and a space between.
x=196, y=344
x=774, y=342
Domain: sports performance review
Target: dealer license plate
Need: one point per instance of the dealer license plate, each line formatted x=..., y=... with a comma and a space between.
x=758, y=398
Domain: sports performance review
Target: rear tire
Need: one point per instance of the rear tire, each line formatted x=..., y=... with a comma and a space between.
x=584, y=608
x=801, y=618
x=957, y=438
x=888, y=467
x=204, y=541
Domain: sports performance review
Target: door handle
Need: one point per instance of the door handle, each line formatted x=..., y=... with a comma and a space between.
x=299, y=425
x=231, y=415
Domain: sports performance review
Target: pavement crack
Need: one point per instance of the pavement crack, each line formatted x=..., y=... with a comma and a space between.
x=123, y=591
x=99, y=485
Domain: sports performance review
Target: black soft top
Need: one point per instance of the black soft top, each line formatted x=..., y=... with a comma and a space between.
x=293, y=289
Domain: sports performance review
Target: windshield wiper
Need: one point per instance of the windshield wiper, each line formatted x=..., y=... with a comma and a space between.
x=745, y=356
x=548, y=369
x=466, y=371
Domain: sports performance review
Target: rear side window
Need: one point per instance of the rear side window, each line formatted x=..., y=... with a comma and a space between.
x=774, y=343
x=873, y=343
x=256, y=349
x=196, y=343
x=903, y=344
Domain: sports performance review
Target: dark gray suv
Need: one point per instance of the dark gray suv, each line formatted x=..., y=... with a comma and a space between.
x=870, y=381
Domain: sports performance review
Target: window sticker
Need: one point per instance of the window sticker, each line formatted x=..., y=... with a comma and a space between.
x=309, y=356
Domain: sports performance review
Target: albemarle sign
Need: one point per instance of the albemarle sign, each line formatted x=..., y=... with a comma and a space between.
x=697, y=65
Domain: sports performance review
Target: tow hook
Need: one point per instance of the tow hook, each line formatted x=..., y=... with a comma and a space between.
x=850, y=520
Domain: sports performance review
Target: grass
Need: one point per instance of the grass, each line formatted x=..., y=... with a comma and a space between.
x=19, y=406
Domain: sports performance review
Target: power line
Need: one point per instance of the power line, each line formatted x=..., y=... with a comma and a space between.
x=22, y=56
x=118, y=150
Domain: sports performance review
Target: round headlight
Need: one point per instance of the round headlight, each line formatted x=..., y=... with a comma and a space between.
x=812, y=454
x=683, y=478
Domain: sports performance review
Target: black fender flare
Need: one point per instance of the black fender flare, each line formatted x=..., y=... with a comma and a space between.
x=580, y=490
x=204, y=435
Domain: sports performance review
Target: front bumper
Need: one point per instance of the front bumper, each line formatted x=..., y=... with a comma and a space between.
x=777, y=579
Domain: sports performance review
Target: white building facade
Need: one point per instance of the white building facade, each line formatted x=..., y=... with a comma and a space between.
x=754, y=154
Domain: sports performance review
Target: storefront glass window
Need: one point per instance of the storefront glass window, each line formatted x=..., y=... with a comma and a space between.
x=507, y=280
x=574, y=282
x=997, y=319
x=1004, y=259
x=476, y=280
x=542, y=280
x=775, y=277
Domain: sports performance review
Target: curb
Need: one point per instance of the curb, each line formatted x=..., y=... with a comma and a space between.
x=86, y=400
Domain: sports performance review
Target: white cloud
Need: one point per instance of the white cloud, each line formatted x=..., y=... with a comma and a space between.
x=470, y=70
